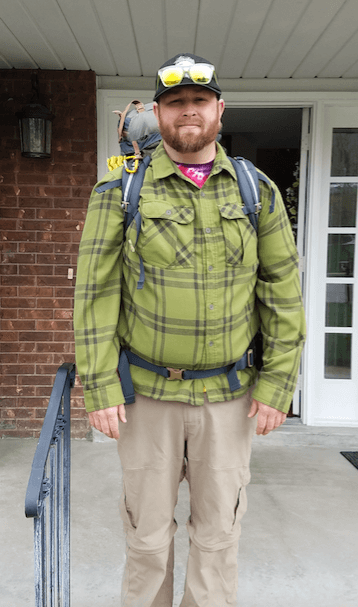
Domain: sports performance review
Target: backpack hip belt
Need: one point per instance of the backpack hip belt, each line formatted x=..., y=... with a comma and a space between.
x=249, y=358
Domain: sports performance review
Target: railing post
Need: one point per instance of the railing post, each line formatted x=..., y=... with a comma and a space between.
x=48, y=496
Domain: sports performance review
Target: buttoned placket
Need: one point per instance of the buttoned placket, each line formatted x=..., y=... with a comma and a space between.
x=208, y=228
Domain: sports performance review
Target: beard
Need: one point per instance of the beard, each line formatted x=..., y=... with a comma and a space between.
x=188, y=143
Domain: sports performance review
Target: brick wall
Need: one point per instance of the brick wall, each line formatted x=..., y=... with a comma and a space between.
x=43, y=205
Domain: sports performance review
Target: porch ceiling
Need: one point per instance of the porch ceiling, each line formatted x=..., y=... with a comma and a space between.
x=244, y=38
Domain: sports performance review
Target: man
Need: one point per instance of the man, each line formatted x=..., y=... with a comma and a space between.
x=210, y=281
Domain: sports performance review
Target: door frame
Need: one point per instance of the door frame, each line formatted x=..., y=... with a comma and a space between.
x=108, y=100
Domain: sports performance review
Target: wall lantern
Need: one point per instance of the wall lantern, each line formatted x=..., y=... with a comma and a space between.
x=35, y=126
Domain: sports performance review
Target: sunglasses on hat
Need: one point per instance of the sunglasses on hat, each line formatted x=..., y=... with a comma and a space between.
x=199, y=73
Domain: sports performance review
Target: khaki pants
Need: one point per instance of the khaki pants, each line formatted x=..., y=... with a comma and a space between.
x=160, y=444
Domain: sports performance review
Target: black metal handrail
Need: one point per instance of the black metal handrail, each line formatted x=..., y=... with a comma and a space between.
x=48, y=496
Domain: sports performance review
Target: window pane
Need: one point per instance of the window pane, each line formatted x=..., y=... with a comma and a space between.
x=337, y=360
x=339, y=305
x=343, y=205
x=340, y=255
x=345, y=153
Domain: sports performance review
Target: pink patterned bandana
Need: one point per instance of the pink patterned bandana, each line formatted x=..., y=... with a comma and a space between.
x=196, y=172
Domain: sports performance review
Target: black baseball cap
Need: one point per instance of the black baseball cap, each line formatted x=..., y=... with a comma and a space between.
x=189, y=60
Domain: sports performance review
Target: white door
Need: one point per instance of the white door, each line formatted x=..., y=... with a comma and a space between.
x=334, y=317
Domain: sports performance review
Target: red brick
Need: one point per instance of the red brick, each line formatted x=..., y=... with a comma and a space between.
x=35, y=202
x=36, y=270
x=18, y=213
x=18, y=369
x=53, y=214
x=54, y=236
x=43, y=226
x=54, y=281
x=52, y=303
x=60, y=336
x=34, y=247
x=54, y=347
x=29, y=424
x=39, y=358
x=63, y=314
x=18, y=325
x=54, y=325
x=18, y=302
x=18, y=347
x=18, y=391
x=67, y=247
x=19, y=280
x=35, y=336
x=44, y=390
x=35, y=380
x=9, y=291
x=35, y=291
x=11, y=336
x=19, y=413
x=9, y=257
x=32, y=179
x=8, y=224
x=9, y=313
x=8, y=382
x=54, y=260
x=70, y=203
x=17, y=433
x=8, y=270
x=60, y=168
x=11, y=358
x=19, y=236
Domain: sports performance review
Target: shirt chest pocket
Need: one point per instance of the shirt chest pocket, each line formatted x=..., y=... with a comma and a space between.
x=239, y=235
x=167, y=234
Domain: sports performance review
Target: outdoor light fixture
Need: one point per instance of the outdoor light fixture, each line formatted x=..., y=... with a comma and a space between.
x=35, y=126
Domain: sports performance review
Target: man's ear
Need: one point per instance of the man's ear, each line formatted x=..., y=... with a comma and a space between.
x=221, y=106
x=155, y=109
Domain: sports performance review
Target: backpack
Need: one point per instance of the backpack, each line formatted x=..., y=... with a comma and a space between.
x=138, y=132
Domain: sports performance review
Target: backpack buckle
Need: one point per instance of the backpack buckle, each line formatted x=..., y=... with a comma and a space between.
x=175, y=373
x=250, y=358
x=258, y=207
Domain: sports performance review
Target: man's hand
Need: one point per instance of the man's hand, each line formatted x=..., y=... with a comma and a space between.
x=268, y=418
x=106, y=420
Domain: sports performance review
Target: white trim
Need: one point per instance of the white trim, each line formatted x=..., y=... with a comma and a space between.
x=242, y=85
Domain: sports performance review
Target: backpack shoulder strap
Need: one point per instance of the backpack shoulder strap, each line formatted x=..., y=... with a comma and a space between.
x=248, y=181
x=131, y=184
x=131, y=187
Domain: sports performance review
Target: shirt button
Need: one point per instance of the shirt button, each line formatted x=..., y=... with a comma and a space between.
x=211, y=306
x=168, y=212
x=208, y=230
x=211, y=343
x=210, y=268
x=203, y=194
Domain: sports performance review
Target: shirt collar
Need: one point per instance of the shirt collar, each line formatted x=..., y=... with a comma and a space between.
x=163, y=166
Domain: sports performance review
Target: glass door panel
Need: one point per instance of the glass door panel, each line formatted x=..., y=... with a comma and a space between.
x=345, y=152
x=342, y=220
x=342, y=205
x=336, y=358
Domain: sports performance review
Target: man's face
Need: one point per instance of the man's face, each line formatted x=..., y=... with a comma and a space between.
x=189, y=117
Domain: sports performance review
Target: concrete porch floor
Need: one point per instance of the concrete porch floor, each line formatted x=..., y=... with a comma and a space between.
x=299, y=544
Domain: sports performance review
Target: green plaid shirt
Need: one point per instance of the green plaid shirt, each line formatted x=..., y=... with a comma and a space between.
x=209, y=280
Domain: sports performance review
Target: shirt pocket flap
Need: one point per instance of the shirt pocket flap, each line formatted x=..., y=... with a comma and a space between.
x=232, y=210
x=163, y=210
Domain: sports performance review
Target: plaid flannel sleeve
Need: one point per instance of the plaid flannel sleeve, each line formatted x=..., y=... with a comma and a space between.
x=280, y=306
x=97, y=300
